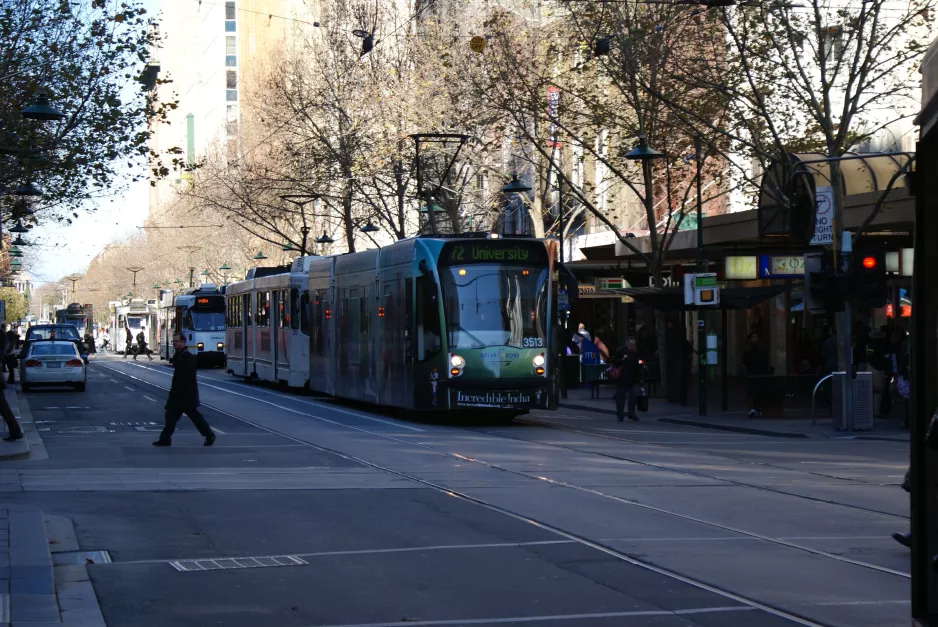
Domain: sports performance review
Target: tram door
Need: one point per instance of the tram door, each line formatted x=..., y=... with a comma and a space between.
x=248, y=312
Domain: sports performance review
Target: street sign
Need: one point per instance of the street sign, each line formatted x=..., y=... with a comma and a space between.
x=705, y=280
x=824, y=219
x=701, y=290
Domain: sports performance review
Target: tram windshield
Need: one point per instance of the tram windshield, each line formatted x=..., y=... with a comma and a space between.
x=205, y=320
x=134, y=322
x=495, y=305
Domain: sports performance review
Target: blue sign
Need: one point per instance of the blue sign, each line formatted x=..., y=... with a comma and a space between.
x=589, y=352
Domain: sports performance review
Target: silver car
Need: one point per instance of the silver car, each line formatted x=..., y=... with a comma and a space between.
x=53, y=362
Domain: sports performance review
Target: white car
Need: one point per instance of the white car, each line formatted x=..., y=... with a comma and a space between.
x=53, y=362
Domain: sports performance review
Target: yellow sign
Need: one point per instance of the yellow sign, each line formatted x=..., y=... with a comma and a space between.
x=743, y=267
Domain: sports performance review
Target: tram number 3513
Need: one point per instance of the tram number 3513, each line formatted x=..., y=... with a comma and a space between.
x=532, y=342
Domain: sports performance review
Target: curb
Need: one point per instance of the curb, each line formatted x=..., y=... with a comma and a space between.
x=734, y=429
x=611, y=412
x=10, y=451
x=32, y=596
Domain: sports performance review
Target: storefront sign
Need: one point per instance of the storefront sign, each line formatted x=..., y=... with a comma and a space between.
x=611, y=283
x=824, y=220
x=586, y=290
x=742, y=267
x=908, y=258
x=781, y=266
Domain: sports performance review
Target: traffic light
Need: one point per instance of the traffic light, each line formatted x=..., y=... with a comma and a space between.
x=868, y=288
x=825, y=288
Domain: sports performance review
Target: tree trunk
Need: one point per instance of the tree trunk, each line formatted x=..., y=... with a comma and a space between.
x=347, y=215
x=661, y=333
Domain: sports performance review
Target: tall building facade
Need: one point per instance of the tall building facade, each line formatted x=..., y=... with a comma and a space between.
x=206, y=47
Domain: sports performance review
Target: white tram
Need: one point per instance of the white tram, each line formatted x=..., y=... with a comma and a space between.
x=132, y=315
x=268, y=324
x=199, y=314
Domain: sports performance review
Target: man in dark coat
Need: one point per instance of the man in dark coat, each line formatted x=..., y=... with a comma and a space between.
x=14, y=430
x=626, y=359
x=183, y=395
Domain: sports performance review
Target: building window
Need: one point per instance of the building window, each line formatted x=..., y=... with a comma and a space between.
x=231, y=60
x=231, y=95
x=232, y=113
x=231, y=128
x=229, y=10
x=231, y=44
x=230, y=26
x=231, y=79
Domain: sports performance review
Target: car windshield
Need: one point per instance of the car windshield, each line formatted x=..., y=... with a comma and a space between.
x=495, y=305
x=65, y=332
x=207, y=321
x=41, y=349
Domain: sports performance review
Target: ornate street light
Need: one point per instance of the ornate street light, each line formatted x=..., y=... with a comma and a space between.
x=512, y=225
x=41, y=108
x=19, y=241
x=370, y=228
x=135, y=270
x=260, y=256
x=28, y=189
x=19, y=228
x=325, y=239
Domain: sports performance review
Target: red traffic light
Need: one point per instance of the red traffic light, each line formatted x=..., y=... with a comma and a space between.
x=869, y=262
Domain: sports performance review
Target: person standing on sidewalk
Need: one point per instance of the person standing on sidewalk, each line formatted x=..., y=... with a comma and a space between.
x=757, y=369
x=626, y=360
x=15, y=431
x=183, y=395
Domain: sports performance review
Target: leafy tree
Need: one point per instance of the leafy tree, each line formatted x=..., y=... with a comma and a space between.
x=89, y=55
x=15, y=303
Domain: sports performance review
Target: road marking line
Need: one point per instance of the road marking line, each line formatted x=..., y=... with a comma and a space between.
x=409, y=549
x=127, y=387
x=320, y=406
x=897, y=602
x=150, y=398
x=556, y=617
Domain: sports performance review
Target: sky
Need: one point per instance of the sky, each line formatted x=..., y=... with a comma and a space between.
x=62, y=249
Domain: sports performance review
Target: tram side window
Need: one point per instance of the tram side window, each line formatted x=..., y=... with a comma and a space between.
x=263, y=309
x=428, y=319
x=284, y=306
x=295, y=309
x=246, y=309
x=304, y=313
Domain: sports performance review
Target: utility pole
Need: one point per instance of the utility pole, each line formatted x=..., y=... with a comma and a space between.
x=701, y=267
x=842, y=258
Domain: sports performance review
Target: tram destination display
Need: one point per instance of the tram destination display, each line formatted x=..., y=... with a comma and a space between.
x=494, y=251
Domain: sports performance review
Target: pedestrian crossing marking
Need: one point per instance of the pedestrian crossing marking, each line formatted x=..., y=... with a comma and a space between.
x=237, y=562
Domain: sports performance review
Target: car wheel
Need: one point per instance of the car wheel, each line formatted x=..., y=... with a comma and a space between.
x=79, y=387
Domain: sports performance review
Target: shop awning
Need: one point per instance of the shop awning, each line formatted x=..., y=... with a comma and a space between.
x=672, y=298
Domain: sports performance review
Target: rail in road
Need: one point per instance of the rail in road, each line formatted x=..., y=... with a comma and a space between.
x=285, y=400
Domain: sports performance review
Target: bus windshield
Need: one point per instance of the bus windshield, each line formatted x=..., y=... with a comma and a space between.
x=495, y=305
x=206, y=320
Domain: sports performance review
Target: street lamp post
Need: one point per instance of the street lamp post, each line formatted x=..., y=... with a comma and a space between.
x=301, y=200
x=74, y=278
x=190, y=249
x=226, y=269
x=514, y=189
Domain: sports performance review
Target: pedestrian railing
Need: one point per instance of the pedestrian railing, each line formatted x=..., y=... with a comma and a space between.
x=814, y=395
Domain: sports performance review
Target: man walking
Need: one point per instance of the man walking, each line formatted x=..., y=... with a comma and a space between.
x=626, y=359
x=14, y=430
x=183, y=395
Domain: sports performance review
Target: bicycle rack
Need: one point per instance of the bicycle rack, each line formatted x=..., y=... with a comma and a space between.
x=814, y=393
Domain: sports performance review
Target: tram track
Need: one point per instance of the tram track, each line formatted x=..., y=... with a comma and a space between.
x=583, y=541
x=536, y=477
x=696, y=474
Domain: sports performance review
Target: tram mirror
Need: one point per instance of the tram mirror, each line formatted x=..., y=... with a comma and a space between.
x=423, y=267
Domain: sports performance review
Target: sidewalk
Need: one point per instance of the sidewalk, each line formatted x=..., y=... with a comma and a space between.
x=790, y=426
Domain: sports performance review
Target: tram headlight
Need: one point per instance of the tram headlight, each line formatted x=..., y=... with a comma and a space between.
x=200, y=346
x=221, y=346
x=539, y=360
x=456, y=361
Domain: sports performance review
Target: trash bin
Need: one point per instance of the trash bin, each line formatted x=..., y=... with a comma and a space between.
x=862, y=389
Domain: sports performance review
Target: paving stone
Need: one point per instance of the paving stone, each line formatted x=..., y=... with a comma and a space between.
x=31, y=579
x=34, y=608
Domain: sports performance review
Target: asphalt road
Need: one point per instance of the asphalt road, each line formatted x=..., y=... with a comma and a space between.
x=310, y=513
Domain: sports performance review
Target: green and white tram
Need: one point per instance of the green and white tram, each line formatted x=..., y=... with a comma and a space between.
x=437, y=324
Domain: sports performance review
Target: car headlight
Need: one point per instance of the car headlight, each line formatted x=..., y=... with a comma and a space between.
x=539, y=360
x=456, y=361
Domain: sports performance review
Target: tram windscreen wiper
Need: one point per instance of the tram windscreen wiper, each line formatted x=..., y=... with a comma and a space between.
x=463, y=329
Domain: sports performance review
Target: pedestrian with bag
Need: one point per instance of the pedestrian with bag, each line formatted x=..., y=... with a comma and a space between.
x=142, y=348
x=10, y=348
x=625, y=363
x=183, y=395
